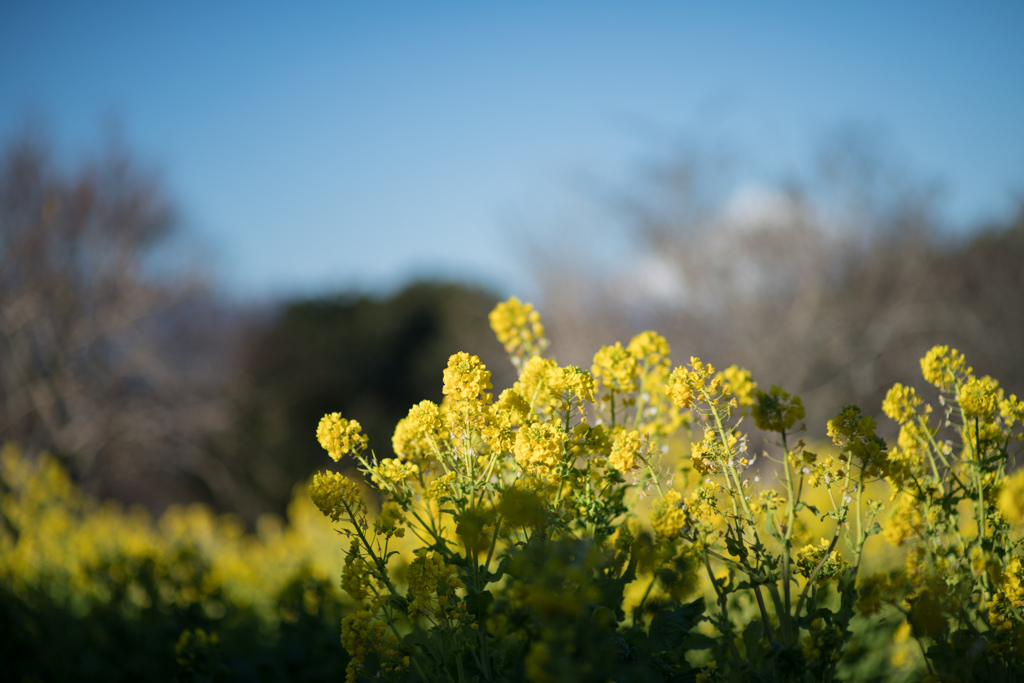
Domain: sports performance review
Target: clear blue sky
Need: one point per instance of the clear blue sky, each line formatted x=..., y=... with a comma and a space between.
x=325, y=145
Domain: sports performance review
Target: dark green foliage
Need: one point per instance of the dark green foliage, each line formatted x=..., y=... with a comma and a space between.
x=369, y=359
x=46, y=639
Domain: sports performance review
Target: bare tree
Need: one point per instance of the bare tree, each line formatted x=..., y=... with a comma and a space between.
x=98, y=337
x=832, y=287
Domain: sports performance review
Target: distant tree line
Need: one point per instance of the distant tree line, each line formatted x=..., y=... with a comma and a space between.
x=832, y=288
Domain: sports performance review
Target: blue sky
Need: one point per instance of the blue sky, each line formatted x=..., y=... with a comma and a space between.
x=331, y=145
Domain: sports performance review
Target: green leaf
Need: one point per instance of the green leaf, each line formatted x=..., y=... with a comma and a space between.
x=670, y=627
x=699, y=641
x=735, y=548
x=753, y=635
x=499, y=572
x=477, y=604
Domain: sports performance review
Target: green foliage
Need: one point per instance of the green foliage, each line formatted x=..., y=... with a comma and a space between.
x=93, y=593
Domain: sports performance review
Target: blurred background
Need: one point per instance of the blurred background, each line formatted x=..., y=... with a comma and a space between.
x=218, y=224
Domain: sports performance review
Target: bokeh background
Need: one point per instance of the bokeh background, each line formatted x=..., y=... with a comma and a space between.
x=219, y=222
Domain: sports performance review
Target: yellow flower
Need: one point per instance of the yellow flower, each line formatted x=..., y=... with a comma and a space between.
x=615, y=368
x=679, y=389
x=944, y=367
x=740, y=384
x=1011, y=410
x=362, y=633
x=537, y=386
x=355, y=575
x=1011, y=498
x=339, y=436
x=578, y=383
x=517, y=326
x=392, y=472
x=337, y=497
x=626, y=447
x=390, y=519
x=466, y=379
x=442, y=486
x=649, y=348
x=667, y=516
x=810, y=556
x=539, y=446
x=419, y=434
x=686, y=386
x=979, y=398
x=901, y=403
x=511, y=409
x=431, y=583
x=905, y=521
x=855, y=434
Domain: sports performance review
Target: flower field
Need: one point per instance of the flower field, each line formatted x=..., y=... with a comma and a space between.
x=610, y=523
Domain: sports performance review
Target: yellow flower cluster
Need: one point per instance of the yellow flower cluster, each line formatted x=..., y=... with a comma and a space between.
x=1005, y=608
x=363, y=633
x=740, y=384
x=419, y=434
x=337, y=497
x=539, y=447
x=546, y=390
x=905, y=521
x=339, y=436
x=944, y=367
x=854, y=432
x=699, y=383
x=440, y=487
x=667, y=515
x=708, y=455
x=517, y=326
x=467, y=379
x=392, y=472
x=59, y=544
x=576, y=383
x=509, y=412
x=390, y=518
x=534, y=386
x=901, y=403
x=810, y=557
x=650, y=349
x=980, y=398
x=546, y=461
x=615, y=368
x=1011, y=498
x=356, y=579
x=627, y=447
x=432, y=584
x=770, y=500
x=1011, y=410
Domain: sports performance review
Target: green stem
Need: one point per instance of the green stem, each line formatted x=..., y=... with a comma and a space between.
x=723, y=608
